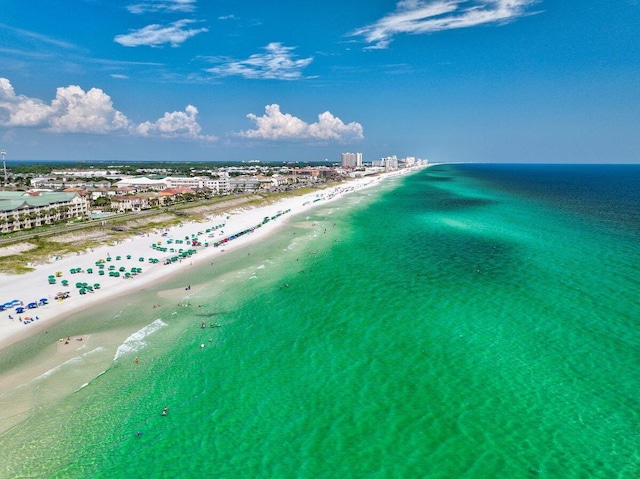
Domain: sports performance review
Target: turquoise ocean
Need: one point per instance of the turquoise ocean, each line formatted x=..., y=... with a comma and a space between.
x=463, y=321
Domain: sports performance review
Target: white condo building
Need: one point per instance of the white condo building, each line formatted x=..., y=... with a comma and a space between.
x=351, y=160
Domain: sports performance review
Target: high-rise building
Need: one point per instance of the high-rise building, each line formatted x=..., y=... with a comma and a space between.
x=351, y=160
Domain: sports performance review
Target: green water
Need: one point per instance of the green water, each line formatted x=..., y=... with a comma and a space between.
x=439, y=326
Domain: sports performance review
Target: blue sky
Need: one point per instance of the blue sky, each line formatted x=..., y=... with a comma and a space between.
x=445, y=80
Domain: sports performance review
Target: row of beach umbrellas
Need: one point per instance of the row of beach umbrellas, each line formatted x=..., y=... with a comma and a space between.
x=9, y=304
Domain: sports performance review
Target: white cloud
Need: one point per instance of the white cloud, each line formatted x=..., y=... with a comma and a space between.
x=277, y=63
x=275, y=125
x=178, y=124
x=72, y=110
x=20, y=110
x=163, y=6
x=75, y=111
x=156, y=35
x=418, y=16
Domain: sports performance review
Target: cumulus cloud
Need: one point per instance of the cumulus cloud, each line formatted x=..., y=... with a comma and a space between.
x=178, y=124
x=20, y=110
x=163, y=6
x=156, y=35
x=74, y=110
x=418, y=16
x=278, y=63
x=275, y=125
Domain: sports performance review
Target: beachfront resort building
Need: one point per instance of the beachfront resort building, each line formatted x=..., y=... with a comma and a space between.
x=351, y=160
x=218, y=184
x=23, y=210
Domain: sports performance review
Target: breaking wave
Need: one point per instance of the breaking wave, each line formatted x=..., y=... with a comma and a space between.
x=136, y=341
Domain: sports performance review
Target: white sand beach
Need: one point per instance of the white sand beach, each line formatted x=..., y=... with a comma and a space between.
x=34, y=288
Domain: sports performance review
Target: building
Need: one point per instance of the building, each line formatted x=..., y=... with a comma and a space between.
x=351, y=160
x=348, y=160
x=244, y=184
x=129, y=203
x=23, y=210
x=142, y=183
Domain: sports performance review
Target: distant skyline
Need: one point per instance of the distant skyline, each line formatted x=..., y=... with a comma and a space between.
x=444, y=80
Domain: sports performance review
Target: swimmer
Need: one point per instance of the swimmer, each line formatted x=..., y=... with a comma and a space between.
x=138, y=434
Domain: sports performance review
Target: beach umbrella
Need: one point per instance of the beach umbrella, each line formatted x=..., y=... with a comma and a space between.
x=141, y=259
x=19, y=310
x=32, y=305
x=101, y=272
x=89, y=270
x=96, y=286
x=128, y=256
x=118, y=258
x=44, y=300
x=65, y=282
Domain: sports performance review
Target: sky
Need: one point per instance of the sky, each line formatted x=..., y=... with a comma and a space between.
x=206, y=80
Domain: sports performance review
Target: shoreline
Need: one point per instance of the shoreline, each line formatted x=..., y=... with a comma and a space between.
x=244, y=225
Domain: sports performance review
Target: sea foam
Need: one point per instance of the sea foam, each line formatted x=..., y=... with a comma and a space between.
x=136, y=341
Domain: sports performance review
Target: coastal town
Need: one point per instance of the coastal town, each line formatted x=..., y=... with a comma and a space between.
x=37, y=195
